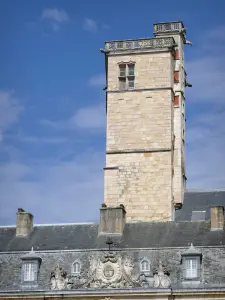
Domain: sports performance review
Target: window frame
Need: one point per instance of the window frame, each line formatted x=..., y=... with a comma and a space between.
x=125, y=80
x=186, y=269
x=29, y=271
x=73, y=272
x=33, y=268
x=147, y=269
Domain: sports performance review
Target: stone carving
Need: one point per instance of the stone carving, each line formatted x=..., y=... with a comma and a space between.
x=142, y=43
x=109, y=271
x=161, y=278
x=59, y=279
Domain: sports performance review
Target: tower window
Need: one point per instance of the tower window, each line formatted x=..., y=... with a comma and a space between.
x=126, y=76
x=29, y=272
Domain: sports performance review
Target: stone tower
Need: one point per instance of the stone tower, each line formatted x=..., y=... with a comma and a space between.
x=145, y=103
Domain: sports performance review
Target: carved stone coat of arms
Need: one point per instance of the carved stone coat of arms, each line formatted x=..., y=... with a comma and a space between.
x=108, y=271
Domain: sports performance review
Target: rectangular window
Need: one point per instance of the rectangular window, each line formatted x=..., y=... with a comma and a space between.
x=122, y=70
x=122, y=83
x=130, y=70
x=131, y=83
x=28, y=271
x=126, y=76
x=191, y=268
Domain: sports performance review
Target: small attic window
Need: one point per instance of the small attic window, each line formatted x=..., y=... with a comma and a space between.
x=76, y=268
x=145, y=265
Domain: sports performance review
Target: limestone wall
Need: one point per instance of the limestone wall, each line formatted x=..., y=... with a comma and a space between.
x=143, y=183
x=139, y=120
x=152, y=70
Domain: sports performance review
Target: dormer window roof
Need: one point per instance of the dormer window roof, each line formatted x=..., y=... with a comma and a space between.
x=30, y=268
x=191, y=263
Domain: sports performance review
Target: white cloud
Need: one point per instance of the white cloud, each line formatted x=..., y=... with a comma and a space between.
x=9, y=111
x=88, y=118
x=60, y=191
x=90, y=25
x=92, y=117
x=97, y=80
x=54, y=14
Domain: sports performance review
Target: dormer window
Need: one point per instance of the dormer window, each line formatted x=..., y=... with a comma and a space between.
x=30, y=267
x=76, y=268
x=191, y=264
x=126, y=75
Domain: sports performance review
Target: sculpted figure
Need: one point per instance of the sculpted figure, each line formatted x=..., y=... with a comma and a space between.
x=160, y=278
x=59, y=279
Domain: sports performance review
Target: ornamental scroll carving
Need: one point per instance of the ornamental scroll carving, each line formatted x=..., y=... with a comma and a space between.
x=109, y=271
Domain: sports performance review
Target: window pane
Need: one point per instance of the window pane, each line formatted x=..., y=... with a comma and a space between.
x=76, y=267
x=191, y=268
x=29, y=270
x=122, y=83
x=123, y=71
x=131, y=70
x=130, y=83
x=144, y=266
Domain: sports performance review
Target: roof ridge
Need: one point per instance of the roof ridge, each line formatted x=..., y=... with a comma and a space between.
x=56, y=224
x=205, y=190
x=65, y=224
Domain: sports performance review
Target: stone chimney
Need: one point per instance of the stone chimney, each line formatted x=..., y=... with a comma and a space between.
x=24, y=222
x=217, y=217
x=112, y=220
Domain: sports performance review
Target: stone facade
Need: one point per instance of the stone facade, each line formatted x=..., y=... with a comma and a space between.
x=145, y=165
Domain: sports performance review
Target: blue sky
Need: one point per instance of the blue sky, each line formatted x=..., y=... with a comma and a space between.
x=52, y=109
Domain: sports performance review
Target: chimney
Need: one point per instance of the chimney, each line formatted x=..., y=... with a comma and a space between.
x=112, y=220
x=24, y=222
x=217, y=217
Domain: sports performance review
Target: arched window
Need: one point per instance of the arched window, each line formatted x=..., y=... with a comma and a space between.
x=76, y=267
x=145, y=265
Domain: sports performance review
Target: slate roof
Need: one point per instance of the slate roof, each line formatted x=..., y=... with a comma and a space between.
x=136, y=235
x=180, y=233
x=199, y=201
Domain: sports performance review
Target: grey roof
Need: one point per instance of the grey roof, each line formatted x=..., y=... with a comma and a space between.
x=135, y=235
x=199, y=201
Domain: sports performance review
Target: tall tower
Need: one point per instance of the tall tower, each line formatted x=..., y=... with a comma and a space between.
x=145, y=165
